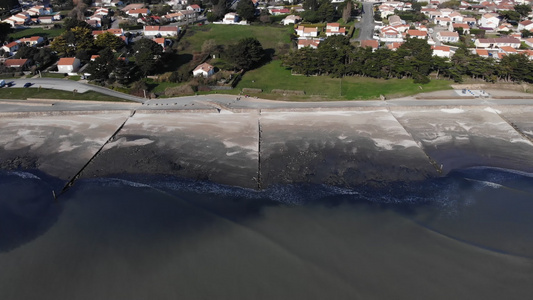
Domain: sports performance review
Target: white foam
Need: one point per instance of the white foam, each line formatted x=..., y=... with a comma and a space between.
x=492, y=110
x=452, y=110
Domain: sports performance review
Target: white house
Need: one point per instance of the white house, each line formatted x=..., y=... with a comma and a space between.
x=135, y=12
x=17, y=63
x=529, y=42
x=448, y=36
x=11, y=47
x=419, y=34
x=68, y=64
x=527, y=25
x=334, y=29
x=497, y=42
x=194, y=7
x=32, y=41
x=313, y=43
x=292, y=19
x=46, y=19
x=385, y=10
x=231, y=18
x=455, y=26
x=161, y=30
x=18, y=19
x=489, y=21
x=441, y=51
x=303, y=31
x=390, y=34
x=204, y=70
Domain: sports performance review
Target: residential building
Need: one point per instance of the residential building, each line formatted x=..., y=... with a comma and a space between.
x=489, y=21
x=448, y=36
x=313, y=43
x=441, y=51
x=498, y=42
x=292, y=19
x=11, y=48
x=17, y=63
x=204, y=70
x=68, y=65
x=303, y=31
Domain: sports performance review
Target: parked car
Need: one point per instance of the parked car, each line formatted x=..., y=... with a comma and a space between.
x=27, y=84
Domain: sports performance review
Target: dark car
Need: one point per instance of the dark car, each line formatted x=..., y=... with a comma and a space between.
x=27, y=84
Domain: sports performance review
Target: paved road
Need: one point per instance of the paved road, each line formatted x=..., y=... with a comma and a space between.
x=367, y=22
x=69, y=85
x=221, y=102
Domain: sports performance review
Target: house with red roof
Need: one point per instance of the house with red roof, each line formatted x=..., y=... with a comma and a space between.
x=204, y=70
x=194, y=7
x=525, y=25
x=161, y=30
x=21, y=64
x=303, y=31
x=134, y=13
x=441, y=51
x=448, y=36
x=11, y=47
x=312, y=43
x=334, y=29
x=374, y=44
x=32, y=41
x=68, y=64
x=419, y=34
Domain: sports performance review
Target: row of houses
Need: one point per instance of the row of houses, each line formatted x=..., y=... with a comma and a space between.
x=25, y=18
x=13, y=47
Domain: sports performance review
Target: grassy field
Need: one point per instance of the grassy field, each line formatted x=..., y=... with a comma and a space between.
x=17, y=34
x=159, y=87
x=25, y=93
x=269, y=37
x=274, y=76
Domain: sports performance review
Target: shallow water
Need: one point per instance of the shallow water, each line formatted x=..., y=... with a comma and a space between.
x=469, y=235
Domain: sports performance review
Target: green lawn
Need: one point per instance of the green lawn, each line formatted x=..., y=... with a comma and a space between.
x=24, y=93
x=159, y=87
x=274, y=76
x=53, y=75
x=268, y=36
x=17, y=34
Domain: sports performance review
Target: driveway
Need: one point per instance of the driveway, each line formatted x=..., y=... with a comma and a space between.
x=366, y=26
x=69, y=85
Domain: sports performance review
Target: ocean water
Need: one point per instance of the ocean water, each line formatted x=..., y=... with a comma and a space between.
x=465, y=236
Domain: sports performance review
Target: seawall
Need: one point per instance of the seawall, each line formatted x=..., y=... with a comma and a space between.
x=258, y=148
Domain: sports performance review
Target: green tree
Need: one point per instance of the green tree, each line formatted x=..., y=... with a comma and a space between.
x=347, y=11
x=220, y=9
x=74, y=40
x=246, y=54
x=302, y=61
x=102, y=66
x=418, y=55
x=310, y=16
x=70, y=23
x=523, y=9
x=108, y=40
x=147, y=55
x=326, y=11
x=510, y=15
x=246, y=9
x=5, y=30
x=310, y=5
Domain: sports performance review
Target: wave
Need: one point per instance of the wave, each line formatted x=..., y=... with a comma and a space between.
x=21, y=174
